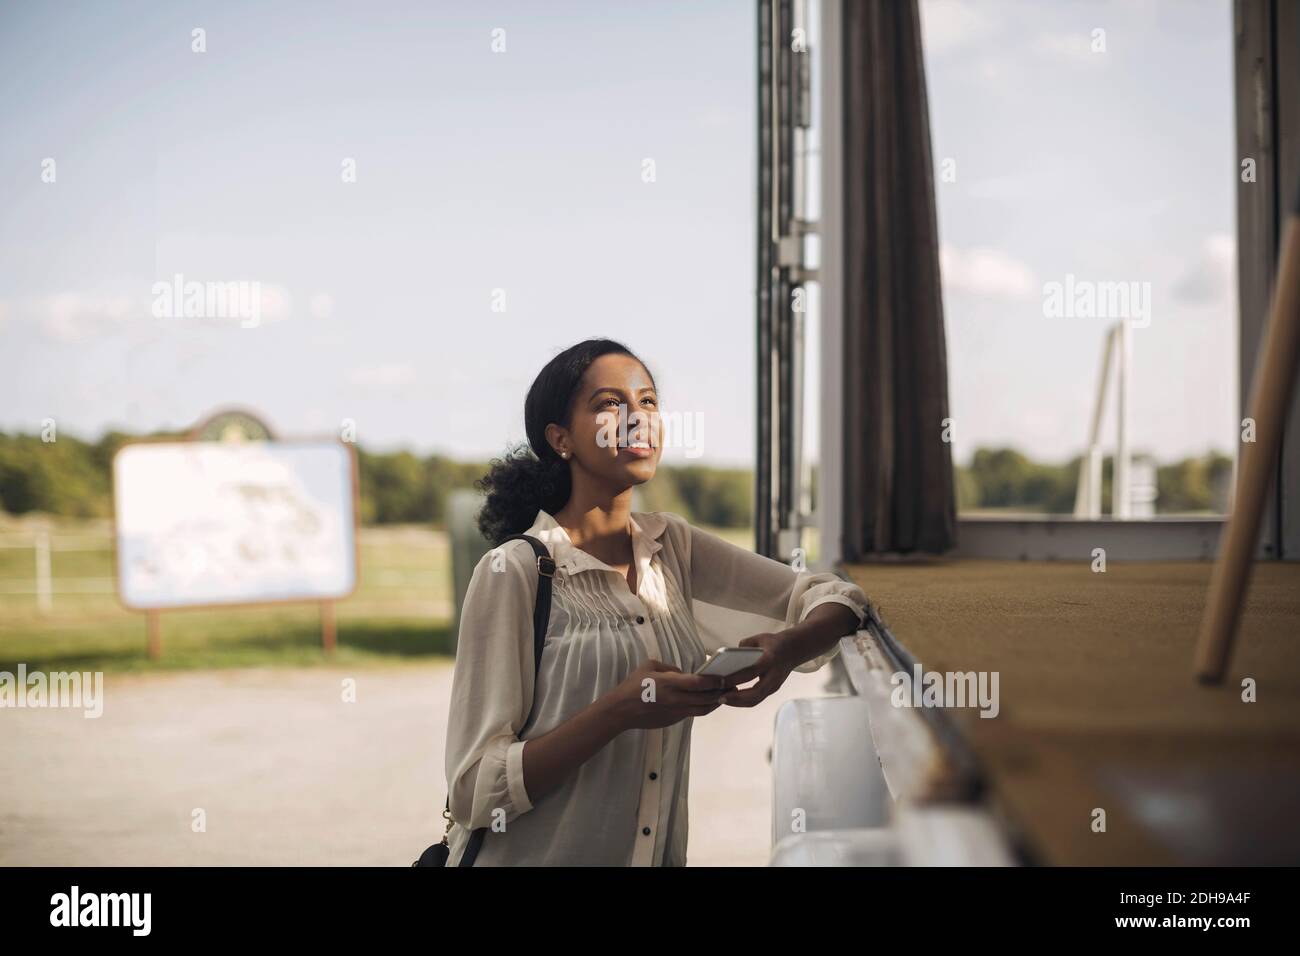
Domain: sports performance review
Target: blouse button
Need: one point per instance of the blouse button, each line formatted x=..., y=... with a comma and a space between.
x=653, y=775
x=640, y=619
x=645, y=830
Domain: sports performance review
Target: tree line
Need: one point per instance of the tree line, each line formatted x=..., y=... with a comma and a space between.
x=1005, y=479
x=71, y=477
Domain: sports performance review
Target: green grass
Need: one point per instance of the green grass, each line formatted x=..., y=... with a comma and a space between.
x=401, y=611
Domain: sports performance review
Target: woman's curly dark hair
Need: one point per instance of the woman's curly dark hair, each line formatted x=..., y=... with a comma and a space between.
x=531, y=476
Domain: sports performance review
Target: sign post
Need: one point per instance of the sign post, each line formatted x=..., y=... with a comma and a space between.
x=327, y=626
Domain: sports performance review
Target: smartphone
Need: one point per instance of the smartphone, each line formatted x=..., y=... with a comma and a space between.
x=729, y=660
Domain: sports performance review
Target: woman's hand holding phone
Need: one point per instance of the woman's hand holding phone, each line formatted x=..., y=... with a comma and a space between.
x=771, y=669
x=659, y=695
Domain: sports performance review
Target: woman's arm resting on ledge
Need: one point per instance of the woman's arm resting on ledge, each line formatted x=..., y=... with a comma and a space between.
x=818, y=632
x=812, y=637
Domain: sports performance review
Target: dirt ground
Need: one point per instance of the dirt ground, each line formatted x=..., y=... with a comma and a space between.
x=287, y=773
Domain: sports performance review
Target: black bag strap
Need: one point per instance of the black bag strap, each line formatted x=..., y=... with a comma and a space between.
x=541, y=619
x=542, y=606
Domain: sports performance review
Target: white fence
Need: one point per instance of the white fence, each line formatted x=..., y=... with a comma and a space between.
x=42, y=542
x=45, y=544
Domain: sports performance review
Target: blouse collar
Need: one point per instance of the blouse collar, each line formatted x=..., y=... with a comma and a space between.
x=646, y=528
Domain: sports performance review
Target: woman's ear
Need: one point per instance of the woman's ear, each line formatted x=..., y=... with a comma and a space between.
x=558, y=439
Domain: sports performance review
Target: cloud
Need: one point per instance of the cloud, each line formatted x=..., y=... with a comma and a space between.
x=1009, y=186
x=394, y=375
x=996, y=72
x=76, y=316
x=985, y=273
x=1070, y=47
x=1210, y=278
x=949, y=25
x=321, y=305
x=275, y=302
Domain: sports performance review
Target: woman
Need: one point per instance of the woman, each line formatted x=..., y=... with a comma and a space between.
x=589, y=766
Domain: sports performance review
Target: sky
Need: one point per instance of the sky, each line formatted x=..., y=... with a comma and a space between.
x=1114, y=166
x=429, y=219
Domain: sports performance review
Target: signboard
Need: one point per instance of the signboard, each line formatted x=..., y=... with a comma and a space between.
x=213, y=523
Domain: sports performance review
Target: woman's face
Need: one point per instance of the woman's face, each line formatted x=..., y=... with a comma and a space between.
x=615, y=433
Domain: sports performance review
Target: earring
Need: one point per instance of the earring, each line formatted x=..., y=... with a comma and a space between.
x=564, y=454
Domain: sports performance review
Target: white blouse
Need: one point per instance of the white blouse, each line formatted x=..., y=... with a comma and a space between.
x=627, y=805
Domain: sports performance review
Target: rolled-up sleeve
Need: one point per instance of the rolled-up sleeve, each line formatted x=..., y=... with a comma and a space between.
x=492, y=691
x=731, y=577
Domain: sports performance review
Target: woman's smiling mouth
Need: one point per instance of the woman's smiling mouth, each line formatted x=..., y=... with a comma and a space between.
x=637, y=449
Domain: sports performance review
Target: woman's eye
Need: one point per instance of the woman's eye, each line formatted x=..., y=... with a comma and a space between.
x=614, y=401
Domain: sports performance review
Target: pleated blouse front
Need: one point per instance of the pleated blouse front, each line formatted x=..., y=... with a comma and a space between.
x=627, y=805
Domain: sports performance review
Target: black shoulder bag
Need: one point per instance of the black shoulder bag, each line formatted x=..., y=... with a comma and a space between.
x=438, y=854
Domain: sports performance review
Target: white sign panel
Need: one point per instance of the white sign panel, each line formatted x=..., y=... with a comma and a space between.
x=202, y=523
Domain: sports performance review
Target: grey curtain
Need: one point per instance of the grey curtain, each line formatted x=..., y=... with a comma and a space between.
x=898, y=490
